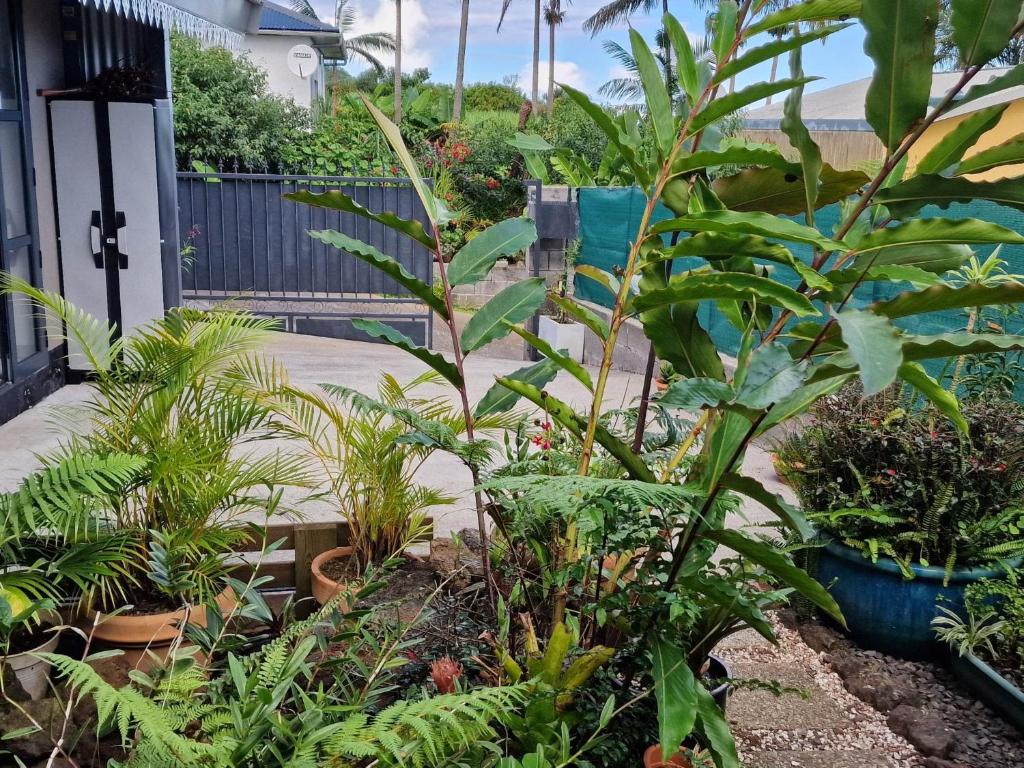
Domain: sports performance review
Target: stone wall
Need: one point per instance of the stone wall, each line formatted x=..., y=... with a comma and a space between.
x=550, y=256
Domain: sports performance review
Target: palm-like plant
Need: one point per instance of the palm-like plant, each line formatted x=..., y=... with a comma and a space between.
x=537, y=14
x=167, y=396
x=367, y=47
x=460, y=65
x=553, y=16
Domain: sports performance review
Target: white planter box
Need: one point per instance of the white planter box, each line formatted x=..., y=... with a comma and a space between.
x=563, y=336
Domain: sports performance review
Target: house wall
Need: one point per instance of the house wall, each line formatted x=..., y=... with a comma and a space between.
x=1009, y=125
x=271, y=53
x=840, y=149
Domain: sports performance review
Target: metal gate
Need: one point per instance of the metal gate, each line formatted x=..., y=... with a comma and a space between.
x=243, y=241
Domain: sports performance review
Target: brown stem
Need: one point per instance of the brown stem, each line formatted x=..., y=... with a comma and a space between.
x=645, y=401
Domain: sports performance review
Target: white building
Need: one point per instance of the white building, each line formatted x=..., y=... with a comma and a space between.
x=287, y=47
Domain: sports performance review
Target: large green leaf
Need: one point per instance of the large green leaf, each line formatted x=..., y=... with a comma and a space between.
x=771, y=375
x=797, y=402
x=777, y=564
x=943, y=400
x=734, y=155
x=937, y=258
x=737, y=286
x=659, y=103
x=500, y=399
x=790, y=516
x=919, y=232
x=944, y=345
x=724, y=23
x=339, y=201
x=515, y=304
x=715, y=730
x=385, y=264
x=1011, y=79
x=564, y=362
x=780, y=192
x=1008, y=153
x=875, y=344
x=982, y=28
x=676, y=692
x=678, y=337
x=686, y=62
x=577, y=424
x=477, y=257
x=394, y=137
x=793, y=127
x=608, y=126
x=900, y=39
x=944, y=297
x=530, y=142
x=737, y=100
x=721, y=246
x=586, y=316
x=777, y=47
x=908, y=197
x=752, y=223
x=383, y=331
x=696, y=393
x=725, y=443
x=952, y=147
x=811, y=10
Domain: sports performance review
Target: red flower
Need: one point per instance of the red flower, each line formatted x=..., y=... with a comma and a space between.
x=546, y=445
x=394, y=170
x=546, y=426
x=537, y=439
x=493, y=184
x=890, y=472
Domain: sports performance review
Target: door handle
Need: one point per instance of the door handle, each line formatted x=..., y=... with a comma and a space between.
x=95, y=226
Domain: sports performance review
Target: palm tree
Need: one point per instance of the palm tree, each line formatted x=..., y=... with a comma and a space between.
x=460, y=65
x=535, y=89
x=368, y=46
x=398, y=62
x=620, y=10
x=553, y=16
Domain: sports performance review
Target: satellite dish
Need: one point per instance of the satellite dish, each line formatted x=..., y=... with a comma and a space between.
x=303, y=60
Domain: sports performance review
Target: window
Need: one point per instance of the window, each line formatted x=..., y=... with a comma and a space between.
x=21, y=337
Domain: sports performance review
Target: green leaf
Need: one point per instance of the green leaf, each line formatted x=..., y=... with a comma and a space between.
x=800, y=400
x=777, y=564
x=383, y=331
x=982, y=28
x=952, y=147
x=564, y=362
x=515, y=304
x=385, y=264
x=605, y=279
x=944, y=345
x=875, y=344
x=676, y=692
x=686, y=62
x=920, y=278
x=943, y=297
x=394, y=137
x=586, y=316
x=937, y=258
x=725, y=443
x=696, y=393
x=774, y=191
x=791, y=516
x=752, y=223
x=1011, y=79
x=919, y=232
x=530, y=142
x=810, y=11
x=771, y=375
x=577, y=424
x=1008, y=153
x=604, y=121
x=777, y=47
x=712, y=725
x=477, y=257
x=737, y=100
x=793, y=127
x=659, y=104
x=944, y=401
x=501, y=399
x=677, y=336
x=725, y=29
x=900, y=39
x=734, y=155
x=336, y=200
x=737, y=286
x=908, y=197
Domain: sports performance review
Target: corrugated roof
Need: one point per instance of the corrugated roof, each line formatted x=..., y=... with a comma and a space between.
x=841, y=108
x=278, y=18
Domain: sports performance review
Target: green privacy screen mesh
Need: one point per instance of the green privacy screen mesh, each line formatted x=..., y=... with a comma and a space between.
x=609, y=217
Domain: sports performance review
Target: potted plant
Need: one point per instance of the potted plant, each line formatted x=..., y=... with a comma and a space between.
x=173, y=396
x=913, y=512
x=562, y=330
x=987, y=644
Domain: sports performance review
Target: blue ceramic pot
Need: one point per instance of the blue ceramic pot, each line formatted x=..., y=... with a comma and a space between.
x=991, y=688
x=886, y=612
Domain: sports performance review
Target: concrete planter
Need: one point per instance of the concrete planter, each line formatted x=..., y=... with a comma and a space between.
x=991, y=688
x=30, y=672
x=563, y=336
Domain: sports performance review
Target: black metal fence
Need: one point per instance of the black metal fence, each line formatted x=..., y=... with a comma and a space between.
x=242, y=240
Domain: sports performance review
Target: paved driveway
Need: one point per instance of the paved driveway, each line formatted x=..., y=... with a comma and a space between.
x=312, y=360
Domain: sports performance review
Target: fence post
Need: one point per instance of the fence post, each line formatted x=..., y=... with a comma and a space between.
x=311, y=539
x=534, y=195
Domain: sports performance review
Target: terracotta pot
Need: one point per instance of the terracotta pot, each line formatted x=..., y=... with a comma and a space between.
x=661, y=385
x=30, y=672
x=652, y=759
x=154, y=629
x=324, y=588
x=780, y=468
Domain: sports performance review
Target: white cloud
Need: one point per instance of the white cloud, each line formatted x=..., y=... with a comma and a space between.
x=568, y=72
x=379, y=16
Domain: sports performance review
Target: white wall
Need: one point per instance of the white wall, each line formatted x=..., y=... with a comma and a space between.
x=271, y=53
x=44, y=69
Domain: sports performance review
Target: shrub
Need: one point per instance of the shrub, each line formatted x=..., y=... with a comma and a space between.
x=493, y=96
x=343, y=142
x=570, y=128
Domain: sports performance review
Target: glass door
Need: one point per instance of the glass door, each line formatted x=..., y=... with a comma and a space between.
x=21, y=330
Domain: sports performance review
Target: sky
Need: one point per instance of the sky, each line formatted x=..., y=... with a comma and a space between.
x=431, y=32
